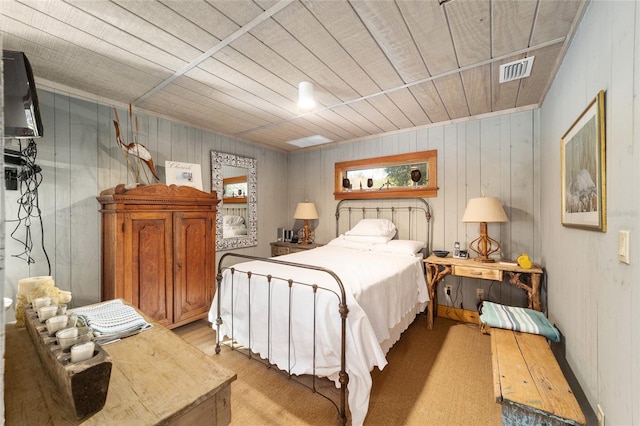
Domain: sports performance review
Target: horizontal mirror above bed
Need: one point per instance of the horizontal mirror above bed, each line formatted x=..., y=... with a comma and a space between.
x=394, y=176
x=234, y=178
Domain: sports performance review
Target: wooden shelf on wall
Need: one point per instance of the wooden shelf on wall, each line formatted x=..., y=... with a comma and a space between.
x=236, y=200
x=424, y=192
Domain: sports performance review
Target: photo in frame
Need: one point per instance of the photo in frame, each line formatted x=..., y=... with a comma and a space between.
x=183, y=174
x=583, y=178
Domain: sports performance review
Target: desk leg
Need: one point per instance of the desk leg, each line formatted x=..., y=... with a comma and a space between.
x=434, y=275
x=533, y=290
x=534, y=295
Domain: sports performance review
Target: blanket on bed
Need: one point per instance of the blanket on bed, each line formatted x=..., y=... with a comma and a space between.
x=518, y=319
x=381, y=289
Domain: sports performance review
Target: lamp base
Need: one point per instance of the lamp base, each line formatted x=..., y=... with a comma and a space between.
x=305, y=240
x=484, y=245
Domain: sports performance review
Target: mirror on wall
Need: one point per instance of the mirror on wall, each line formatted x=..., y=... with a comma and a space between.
x=234, y=178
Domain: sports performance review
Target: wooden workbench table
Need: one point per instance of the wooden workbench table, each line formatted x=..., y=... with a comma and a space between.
x=156, y=377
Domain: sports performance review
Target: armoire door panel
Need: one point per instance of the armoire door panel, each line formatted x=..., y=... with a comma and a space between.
x=151, y=268
x=194, y=263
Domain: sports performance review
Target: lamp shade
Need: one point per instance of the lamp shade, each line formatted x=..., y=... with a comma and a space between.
x=305, y=95
x=306, y=211
x=484, y=209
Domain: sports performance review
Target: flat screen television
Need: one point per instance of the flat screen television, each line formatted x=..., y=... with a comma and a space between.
x=21, y=111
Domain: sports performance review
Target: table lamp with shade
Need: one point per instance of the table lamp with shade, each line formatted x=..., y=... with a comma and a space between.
x=306, y=211
x=484, y=210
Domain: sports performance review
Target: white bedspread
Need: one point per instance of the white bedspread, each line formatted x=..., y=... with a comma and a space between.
x=234, y=230
x=381, y=288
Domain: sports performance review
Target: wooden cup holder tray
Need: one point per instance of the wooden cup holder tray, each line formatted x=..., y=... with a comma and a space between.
x=83, y=385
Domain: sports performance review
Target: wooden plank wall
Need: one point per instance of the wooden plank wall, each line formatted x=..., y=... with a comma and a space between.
x=79, y=158
x=496, y=155
x=593, y=297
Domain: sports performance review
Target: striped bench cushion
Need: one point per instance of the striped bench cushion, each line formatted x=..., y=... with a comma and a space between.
x=518, y=319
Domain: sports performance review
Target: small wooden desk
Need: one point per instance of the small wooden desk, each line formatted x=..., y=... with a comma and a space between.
x=156, y=377
x=438, y=267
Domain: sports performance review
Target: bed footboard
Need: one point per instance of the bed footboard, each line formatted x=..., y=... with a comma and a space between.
x=244, y=287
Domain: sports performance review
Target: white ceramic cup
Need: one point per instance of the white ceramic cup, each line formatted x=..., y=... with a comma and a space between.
x=39, y=302
x=46, y=312
x=56, y=323
x=82, y=351
x=71, y=336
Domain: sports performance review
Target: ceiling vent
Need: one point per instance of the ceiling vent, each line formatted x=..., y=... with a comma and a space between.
x=516, y=70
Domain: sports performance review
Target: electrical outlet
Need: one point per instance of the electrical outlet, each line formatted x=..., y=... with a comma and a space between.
x=600, y=415
x=447, y=294
x=480, y=293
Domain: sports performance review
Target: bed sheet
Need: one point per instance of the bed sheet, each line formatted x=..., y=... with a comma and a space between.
x=233, y=230
x=381, y=290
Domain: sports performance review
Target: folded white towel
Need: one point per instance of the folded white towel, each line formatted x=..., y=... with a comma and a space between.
x=112, y=317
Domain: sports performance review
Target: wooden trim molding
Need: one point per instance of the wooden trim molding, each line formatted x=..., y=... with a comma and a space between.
x=430, y=190
x=232, y=180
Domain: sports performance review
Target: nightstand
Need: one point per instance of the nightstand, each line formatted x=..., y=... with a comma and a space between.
x=280, y=248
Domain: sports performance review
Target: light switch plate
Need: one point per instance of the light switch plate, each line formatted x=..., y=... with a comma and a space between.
x=623, y=246
x=600, y=415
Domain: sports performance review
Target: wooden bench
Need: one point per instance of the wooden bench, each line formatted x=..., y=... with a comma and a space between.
x=529, y=383
x=156, y=379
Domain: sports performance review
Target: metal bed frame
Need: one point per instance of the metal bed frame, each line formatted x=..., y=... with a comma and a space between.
x=341, y=302
x=392, y=210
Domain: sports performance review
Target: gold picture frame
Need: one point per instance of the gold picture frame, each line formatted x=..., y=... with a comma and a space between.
x=583, y=180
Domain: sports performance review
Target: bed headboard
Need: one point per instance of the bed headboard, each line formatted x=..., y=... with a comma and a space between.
x=234, y=210
x=412, y=216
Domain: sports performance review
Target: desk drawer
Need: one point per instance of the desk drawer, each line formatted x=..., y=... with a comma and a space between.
x=279, y=251
x=476, y=272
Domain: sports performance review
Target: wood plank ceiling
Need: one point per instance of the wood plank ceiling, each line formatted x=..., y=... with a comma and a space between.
x=233, y=67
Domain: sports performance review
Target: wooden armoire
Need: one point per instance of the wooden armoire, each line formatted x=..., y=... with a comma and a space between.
x=158, y=250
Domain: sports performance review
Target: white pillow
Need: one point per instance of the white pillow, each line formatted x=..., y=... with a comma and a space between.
x=343, y=242
x=371, y=239
x=374, y=227
x=232, y=220
x=410, y=247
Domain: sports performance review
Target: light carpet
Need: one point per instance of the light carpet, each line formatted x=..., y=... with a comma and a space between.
x=434, y=377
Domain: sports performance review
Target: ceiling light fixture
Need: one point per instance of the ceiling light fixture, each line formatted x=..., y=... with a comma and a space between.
x=305, y=95
x=308, y=141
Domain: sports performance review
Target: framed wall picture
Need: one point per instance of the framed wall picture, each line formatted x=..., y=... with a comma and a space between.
x=582, y=157
x=183, y=174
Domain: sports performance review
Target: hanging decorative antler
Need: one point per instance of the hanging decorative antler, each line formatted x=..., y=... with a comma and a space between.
x=134, y=148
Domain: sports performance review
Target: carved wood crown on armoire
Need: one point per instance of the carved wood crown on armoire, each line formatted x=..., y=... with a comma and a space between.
x=158, y=250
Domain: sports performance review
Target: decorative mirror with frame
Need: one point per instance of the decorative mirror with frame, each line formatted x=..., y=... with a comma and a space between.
x=234, y=178
x=394, y=176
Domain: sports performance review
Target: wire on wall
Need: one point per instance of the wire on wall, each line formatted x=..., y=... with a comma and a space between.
x=29, y=178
